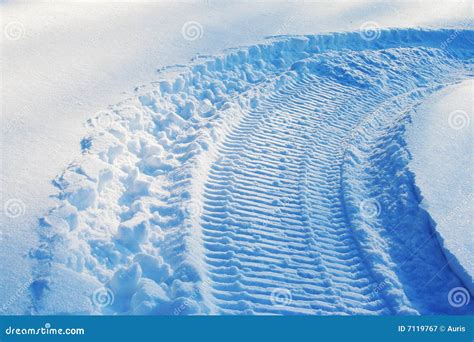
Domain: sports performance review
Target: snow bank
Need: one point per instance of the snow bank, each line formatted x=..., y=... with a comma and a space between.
x=440, y=141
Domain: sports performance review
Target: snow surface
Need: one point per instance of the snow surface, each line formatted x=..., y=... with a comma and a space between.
x=76, y=58
x=274, y=170
x=440, y=140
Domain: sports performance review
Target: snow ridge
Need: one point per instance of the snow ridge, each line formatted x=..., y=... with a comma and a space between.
x=270, y=180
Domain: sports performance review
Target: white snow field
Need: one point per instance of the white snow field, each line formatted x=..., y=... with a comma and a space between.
x=440, y=140
x=272, y=178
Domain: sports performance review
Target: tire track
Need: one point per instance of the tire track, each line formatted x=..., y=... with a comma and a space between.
x=277, y=234
x=234, y=186
x=302, y=246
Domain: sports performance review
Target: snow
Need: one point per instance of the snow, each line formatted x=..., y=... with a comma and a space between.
x=242, y=189
x=72, y=92
x=440, y=140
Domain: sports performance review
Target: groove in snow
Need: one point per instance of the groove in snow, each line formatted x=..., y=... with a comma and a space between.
x=270, y=180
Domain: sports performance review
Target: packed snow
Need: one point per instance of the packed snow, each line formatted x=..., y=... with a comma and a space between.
x=272, y=178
